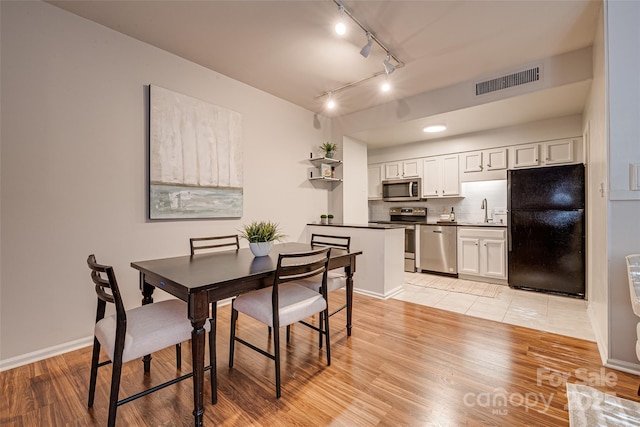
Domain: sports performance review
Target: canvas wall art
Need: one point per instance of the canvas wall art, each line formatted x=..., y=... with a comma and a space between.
x=195, y=158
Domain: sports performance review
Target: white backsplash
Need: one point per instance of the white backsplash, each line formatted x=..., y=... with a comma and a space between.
x=467, y=208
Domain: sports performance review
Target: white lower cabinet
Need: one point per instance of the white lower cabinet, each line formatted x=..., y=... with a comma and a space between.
x=482, y=252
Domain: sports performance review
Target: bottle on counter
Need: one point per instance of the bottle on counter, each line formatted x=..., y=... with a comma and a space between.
x=452, y=215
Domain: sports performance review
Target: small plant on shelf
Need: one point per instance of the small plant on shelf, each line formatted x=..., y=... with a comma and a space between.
x=323, y=218
x=330, y=218
x=329, y=148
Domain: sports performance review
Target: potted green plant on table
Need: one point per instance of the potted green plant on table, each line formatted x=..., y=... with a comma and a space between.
x=329, y=148
x=261, y=235
x=330, y=218
x=323, y=219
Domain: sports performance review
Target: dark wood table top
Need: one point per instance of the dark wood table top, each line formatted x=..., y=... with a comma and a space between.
x=188, y=274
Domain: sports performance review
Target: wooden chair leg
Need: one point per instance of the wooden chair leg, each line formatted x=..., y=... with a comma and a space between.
x=212, y=353
x=326, y=335
x=178, y=356
x=94, y=371
x=276, y=353
x=232, y=341
x=115, y=387
x=320, y=325
x=288, y=333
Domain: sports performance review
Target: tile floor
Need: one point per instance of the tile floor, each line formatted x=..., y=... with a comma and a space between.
x=550, y=313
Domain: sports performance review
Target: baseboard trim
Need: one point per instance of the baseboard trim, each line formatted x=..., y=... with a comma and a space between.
x=621, y=365
x=378, y=295
x=603, y=347
x=45, y=353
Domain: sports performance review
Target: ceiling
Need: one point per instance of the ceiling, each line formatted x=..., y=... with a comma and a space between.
x=289, y=49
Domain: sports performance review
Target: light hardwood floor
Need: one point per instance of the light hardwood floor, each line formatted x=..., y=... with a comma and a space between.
x=404, y=365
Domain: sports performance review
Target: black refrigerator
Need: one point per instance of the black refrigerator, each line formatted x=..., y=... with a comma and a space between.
x=546, y=229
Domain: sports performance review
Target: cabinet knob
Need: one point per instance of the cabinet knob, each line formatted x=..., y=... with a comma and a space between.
x=488, y=166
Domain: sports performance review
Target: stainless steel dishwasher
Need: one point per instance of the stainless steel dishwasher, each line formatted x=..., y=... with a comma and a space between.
x=438, y=249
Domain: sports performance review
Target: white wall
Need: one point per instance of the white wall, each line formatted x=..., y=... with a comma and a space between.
x=622, y=37
x=73, y=172
x=355, y=182
x=595, y=141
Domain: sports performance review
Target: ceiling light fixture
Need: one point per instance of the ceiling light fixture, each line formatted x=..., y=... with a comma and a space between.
x=386, y=86
x=366, y=50
x=340, y=27
x=331, y=104
x=389, y=67
x=435, y=128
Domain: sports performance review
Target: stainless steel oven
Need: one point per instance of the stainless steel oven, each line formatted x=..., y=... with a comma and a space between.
x=409, y=217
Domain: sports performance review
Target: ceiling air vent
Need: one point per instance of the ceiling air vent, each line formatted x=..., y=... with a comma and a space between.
x=511, y=80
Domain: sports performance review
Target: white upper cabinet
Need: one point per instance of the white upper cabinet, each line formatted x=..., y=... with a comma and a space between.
x=558, y=152
x=526, y=156
x=484, y=165
x=403, y=169
x=374, y=179
x=440, y=176
x=549, y=153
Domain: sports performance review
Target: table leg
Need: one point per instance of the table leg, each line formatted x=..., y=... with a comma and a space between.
x=349, y=270
x=147, y=298
x=198, y=313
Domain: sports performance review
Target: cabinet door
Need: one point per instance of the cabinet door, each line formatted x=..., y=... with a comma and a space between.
x=392, y=170
x=496, y=159
x=526, y=156
x=493, y=258
x=468, y=255
x=450, y=176
x=374, y=178
x=431, y=177
x=411, y=168
x=558, y=152
x=472, y=162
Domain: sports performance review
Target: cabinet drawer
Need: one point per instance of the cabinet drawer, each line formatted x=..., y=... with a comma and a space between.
x=482, y=233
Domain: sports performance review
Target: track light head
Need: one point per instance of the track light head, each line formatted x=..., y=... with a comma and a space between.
x=340, y=27
x=388, y=68
x=366, y=50
x=331, y=104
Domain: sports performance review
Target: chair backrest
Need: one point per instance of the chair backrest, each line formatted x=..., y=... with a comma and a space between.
x=300, y=265
x=340, y=242
x=202, y=244
x=106, y=287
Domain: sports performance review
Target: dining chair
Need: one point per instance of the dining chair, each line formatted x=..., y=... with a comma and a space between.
x=285, y=302
x=206, y=245
x=335, y=279
x=132, y=334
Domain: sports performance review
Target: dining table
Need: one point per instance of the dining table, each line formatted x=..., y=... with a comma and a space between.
x=206, y=278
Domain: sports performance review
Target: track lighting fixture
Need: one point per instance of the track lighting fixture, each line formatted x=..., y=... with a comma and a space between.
x=366, y=50
x=340, y=27
x=388, y=68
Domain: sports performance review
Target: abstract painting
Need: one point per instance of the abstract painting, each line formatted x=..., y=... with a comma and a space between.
x=195, y=158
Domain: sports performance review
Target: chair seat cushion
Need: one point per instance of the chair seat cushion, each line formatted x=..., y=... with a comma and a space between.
x=295, y=303
x=150, y=328
x=335, y=281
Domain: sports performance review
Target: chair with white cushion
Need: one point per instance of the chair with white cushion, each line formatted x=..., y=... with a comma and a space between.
x=336, y=279
x=633, y=272
x=285, y=302
x=199, y=245
x=132, y=334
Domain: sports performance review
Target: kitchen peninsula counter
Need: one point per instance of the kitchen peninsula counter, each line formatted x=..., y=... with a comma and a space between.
x=380, y=268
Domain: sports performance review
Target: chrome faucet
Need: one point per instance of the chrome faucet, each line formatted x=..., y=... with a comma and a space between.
x=485, y=206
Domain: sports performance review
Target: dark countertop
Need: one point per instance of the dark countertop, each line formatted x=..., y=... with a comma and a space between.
x=447, y=223
x=371, y=225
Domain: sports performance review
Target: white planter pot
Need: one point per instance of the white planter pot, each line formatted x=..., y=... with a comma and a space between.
x=261, y=248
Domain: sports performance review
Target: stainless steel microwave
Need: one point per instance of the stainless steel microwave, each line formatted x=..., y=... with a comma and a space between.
x=400, y=190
